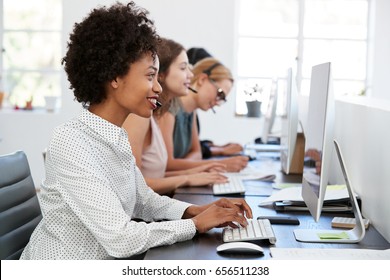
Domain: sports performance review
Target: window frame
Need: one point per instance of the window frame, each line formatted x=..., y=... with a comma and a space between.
x=43, y=71
x=298, y=64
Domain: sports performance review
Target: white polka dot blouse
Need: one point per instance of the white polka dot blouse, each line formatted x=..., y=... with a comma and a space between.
x=91, y=192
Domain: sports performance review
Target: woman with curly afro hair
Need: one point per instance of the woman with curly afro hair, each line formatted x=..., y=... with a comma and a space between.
x=94, y=196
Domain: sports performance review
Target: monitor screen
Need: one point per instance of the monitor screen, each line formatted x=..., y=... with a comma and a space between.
x=289, y=133
x=319, y=138
x=270, y=114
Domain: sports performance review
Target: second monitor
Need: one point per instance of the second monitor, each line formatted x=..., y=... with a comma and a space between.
x=270, y=115
x=292, y=141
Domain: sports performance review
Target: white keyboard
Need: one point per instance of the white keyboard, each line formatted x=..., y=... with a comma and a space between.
x=255, y=230
x=264, y=147
x=234, y=186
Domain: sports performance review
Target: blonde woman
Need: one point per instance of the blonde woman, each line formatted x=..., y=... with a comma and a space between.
x=213, y=82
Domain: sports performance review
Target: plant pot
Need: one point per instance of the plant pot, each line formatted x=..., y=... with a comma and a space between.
x=51, y=103
x=254, y=109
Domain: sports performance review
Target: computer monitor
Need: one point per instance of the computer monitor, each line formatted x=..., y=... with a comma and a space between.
x=319, y=139
x=291, y=155
x=269, y=117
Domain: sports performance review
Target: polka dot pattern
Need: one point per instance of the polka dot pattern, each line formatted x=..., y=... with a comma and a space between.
x=92, y=191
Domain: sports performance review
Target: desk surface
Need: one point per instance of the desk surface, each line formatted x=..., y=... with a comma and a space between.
x=203, y=246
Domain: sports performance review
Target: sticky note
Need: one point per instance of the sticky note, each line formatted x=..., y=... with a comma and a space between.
x=336, y=187
x=333, y=235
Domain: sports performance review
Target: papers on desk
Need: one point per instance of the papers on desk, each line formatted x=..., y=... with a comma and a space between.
x=329, y=254
x=290, y=199
x=251, y=173
x=293, y=194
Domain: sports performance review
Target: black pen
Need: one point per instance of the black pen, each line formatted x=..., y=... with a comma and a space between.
x=193, y=90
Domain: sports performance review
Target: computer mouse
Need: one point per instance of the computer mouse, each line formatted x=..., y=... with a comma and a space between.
x=240, y=248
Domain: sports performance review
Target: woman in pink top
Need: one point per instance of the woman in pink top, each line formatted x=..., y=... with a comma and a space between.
x=151, y=157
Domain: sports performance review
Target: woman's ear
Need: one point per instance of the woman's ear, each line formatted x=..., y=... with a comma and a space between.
x=202, y=79
x=114, y=83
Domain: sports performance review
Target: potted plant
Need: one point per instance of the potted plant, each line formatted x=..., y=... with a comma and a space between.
x=51, y=100
x=254, y=98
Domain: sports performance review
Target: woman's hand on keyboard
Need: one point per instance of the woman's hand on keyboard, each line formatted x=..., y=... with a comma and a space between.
x=209, y=167
x=226, y=150
x=222, y=213
x=244, y=208
x=205, y=178
x=236, y=163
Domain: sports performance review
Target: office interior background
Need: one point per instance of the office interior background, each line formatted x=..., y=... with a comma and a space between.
x=361, y=121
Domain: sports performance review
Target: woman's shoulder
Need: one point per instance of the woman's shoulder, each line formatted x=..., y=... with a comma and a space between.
x=137, y=127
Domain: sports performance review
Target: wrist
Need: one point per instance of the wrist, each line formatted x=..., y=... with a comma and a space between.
x=195, y=210
x=191, y=212
x=216, y=151
x=196, y=225
x=183, y=181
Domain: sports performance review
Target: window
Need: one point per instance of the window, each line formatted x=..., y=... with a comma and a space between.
x=274, y=35
x=30, y=39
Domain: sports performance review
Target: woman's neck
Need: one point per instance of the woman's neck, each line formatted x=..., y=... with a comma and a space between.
x=110, y=112
x=168, y=95
x=189, y=102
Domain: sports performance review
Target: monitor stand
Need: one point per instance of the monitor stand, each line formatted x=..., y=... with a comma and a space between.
x=336, y=236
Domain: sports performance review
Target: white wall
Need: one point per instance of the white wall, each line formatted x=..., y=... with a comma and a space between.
x=381, y=50
x=361, y=130
x=210, y=24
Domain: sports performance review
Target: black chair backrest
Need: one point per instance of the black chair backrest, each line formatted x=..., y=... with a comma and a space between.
x=20, y=212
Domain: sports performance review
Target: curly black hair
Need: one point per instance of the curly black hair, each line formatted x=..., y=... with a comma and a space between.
x=104, y=45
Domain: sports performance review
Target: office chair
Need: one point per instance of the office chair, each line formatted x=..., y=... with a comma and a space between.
x=20, y=212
